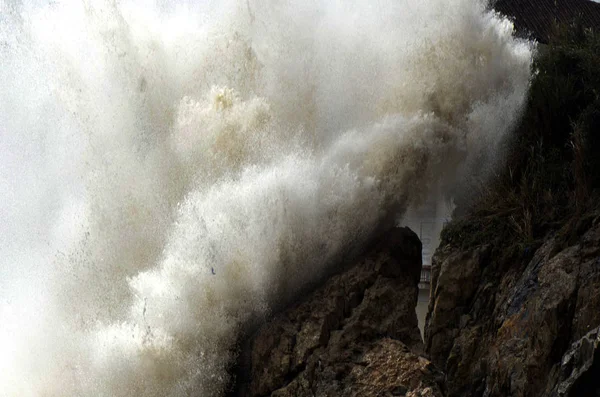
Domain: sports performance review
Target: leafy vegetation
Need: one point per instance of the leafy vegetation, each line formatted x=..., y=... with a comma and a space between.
x=550, y=181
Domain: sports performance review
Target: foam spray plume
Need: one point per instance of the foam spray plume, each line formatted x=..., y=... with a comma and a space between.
x=170, y=172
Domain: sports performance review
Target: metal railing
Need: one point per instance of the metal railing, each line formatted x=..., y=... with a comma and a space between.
x=425, y=275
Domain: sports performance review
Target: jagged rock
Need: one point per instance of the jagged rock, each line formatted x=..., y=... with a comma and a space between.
x=500, y=329
x=580, y=368
x=355, y=336
x=587, y=311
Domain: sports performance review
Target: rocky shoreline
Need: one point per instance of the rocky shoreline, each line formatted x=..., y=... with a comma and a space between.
x=492, y=329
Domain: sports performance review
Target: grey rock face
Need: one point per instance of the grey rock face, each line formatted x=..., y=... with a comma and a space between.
x=355, y=336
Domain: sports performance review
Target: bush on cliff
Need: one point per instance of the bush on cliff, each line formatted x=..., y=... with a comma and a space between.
x=551, y=178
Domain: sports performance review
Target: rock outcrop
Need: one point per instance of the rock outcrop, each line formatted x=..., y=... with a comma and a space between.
x=355, y=336
x=526, y=326
x=497, y=328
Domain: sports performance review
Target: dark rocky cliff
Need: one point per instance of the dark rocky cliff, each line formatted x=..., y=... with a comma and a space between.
x=500, y=329
x=539, y=18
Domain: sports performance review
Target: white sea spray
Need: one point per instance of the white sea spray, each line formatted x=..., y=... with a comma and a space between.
x=170, y=171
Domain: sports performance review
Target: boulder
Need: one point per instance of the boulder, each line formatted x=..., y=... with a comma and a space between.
x=357, y=335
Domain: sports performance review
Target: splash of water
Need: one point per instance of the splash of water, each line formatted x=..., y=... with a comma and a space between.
x=170, y=172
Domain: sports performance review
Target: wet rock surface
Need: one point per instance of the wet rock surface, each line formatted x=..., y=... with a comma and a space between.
x=500, y=329
x=355, y=336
